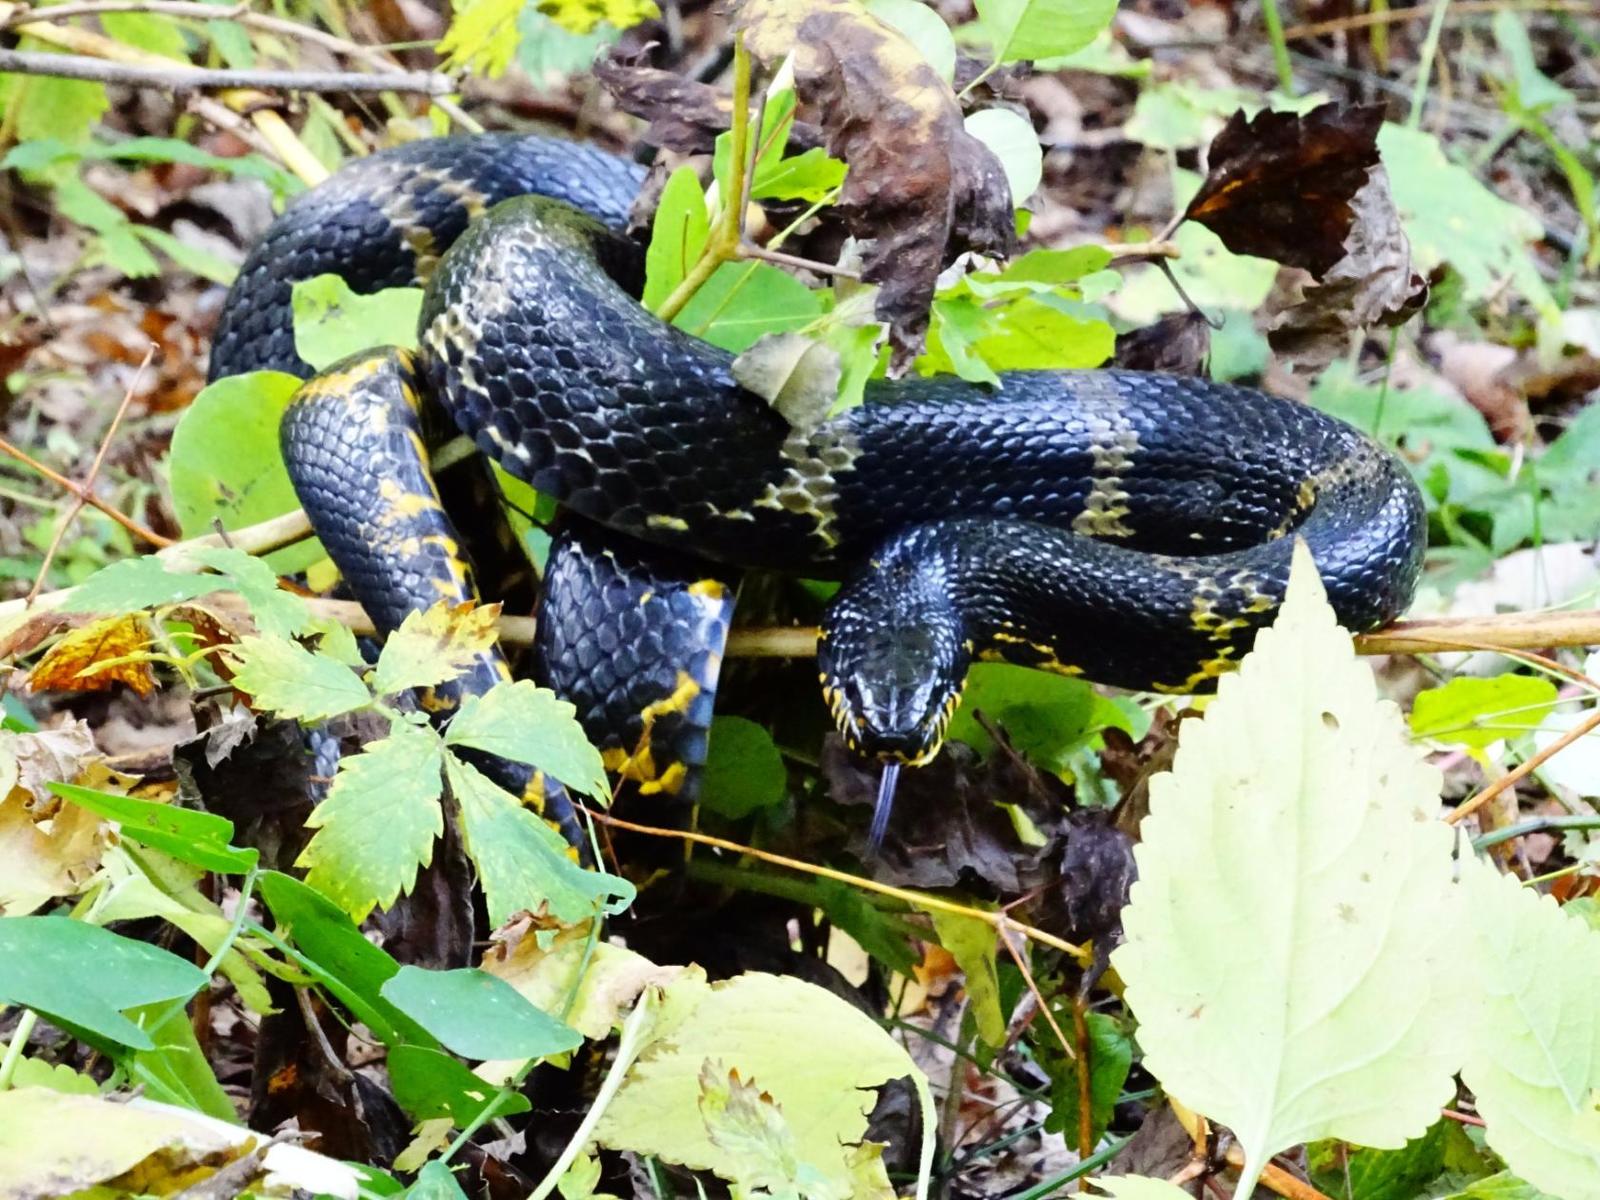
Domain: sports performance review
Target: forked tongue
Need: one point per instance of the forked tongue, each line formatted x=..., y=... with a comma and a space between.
x=885, y=804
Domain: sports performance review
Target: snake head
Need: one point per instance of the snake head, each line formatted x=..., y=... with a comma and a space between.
x=893, y=658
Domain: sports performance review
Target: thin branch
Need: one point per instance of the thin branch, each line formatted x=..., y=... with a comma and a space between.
x=179, y=78
x=82, y=494
x=993, y=917
x=1144, y=251
x=1394, y=16
x=1525, y=768
x=751, y=250
x=77, y=490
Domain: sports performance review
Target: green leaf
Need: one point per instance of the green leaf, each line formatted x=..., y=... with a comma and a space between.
x=1450, y=217
x=1474, y=712
x=332, y=322
x=199, y=838
x=146, y=31
x=1110, y=1058
x=923, y=28
x=435, y=1182
x=45, y=107
x=132, y=584
x=1023, y=29
x=1358, y=1173
x=1038, y=271
x=1291, y=950
x=176, y=1070
x=813, y=1052
x=742, y=301
x=581, y=16
x=1533, y=1045
x=973, y=944
x=285, y=678
x=744, y=771
x=1048, y=717
x=482, y=36
x=333, y=951
x=277, y=613
x=433, y=645
x=550, y=54
x=1533, y=88
x=1139, y=1187
x=195, y=259
x=226, y=465
x=430, y=1084
x=1504, y=1186
x=1011, y=139
x=57, y=1077
x=875, y=931
x=523, y=864
x=393, y=786
x=42, y=962
x=478, y=1015
x=677, y=236
x=530, y=724
x=807, y=176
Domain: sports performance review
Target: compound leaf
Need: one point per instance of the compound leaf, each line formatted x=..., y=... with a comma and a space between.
x=378, y=823
x=478, y=1015
x=530, y=724
x=434, y=645
x=285, y=678
x=523, y=864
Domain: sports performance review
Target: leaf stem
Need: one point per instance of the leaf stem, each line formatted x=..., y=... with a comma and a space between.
x=19, y=1040
x=1280, y=48
x=635, y=1031
x=1430, y=49
x=723, y=245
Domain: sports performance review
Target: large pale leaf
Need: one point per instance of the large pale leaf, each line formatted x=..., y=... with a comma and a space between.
x=1533, y=1054
x=1290, y=939
x=816, y=1055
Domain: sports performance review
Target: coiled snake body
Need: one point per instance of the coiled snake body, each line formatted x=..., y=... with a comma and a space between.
x=1132, y=528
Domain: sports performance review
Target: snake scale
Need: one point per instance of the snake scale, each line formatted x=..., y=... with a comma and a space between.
x=1130, y=528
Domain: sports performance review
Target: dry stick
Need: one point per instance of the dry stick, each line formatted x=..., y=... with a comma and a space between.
x=78, y=502
x=998, y=919
x=1588, y=725
x=78, y=491
x=198, y=10
x=1275, y=1178
x=182, y=78
x=272, y=128
x=1463, y=7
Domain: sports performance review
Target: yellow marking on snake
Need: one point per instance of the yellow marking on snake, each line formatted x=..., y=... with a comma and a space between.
x=658, y=521
x=1113, y=444
x=709, y=589
x=639, y=765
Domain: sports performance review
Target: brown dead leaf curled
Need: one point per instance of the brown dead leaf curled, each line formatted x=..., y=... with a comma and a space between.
x=1372, y=285
x=1310, y=192
x=1177, y=344
x=919, y=186
x=684, y=115
x=1280, y=185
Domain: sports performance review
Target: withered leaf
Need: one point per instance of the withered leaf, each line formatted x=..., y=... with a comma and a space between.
x=920, y=187
x=1373, y=284
x=83, y=661
x=1177, y=344
x=684, y=115
x=1281, y=185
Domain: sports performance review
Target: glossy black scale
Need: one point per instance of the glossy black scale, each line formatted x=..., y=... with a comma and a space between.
x=1133, y=528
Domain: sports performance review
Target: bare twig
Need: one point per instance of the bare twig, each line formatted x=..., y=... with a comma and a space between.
x=81, y=494
x=1463, y=8
x=1523, y=769
x=179, y=78
x=994, y=917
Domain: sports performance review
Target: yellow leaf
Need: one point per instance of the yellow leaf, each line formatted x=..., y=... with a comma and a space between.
x=96, y=657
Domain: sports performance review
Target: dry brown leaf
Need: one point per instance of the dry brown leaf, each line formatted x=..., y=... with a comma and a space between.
x=1372, y=285
x=1177, y=344
x=684, y=115
x=33, y=761
x=45, y=852
x=82, y=661
x=1281, y=185
x=919, y=186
